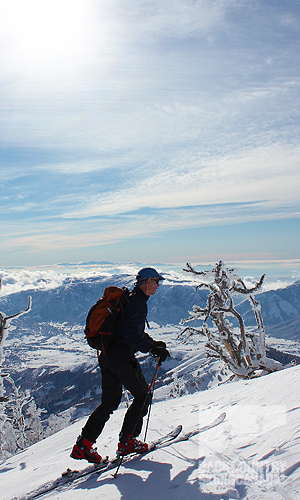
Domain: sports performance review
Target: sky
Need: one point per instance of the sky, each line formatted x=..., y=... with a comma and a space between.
x=149, y=131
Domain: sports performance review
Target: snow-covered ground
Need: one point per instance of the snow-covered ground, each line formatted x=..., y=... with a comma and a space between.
x=254, y=454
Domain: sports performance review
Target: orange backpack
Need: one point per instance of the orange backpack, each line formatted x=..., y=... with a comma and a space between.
x=102, y=319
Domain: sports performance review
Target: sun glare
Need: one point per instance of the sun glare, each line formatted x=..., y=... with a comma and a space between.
x=41, y=33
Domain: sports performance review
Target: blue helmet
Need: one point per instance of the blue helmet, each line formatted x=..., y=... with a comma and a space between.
x=148, y=272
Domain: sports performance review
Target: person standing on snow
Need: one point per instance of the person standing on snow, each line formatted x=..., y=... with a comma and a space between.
x=119, y=367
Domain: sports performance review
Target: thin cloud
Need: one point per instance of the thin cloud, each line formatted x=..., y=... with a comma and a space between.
x=158, y=116
x=266, y=172
x=146, y=223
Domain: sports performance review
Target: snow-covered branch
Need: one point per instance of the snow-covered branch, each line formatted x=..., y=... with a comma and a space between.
x=5, y=320
x=243, y=352
x=5, y=402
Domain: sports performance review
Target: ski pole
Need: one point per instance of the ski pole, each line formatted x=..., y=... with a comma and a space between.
x=151, y=386
x=151, y=391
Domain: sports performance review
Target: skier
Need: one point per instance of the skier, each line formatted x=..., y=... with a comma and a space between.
x=119, y=367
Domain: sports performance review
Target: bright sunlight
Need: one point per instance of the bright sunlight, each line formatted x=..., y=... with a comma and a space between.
x=44, y=34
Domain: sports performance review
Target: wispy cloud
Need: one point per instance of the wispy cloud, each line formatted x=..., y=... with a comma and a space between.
x=270, y=173
x=141, y=119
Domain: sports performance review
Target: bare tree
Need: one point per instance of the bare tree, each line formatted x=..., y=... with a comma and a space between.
x=244, y=352
x=5, y=324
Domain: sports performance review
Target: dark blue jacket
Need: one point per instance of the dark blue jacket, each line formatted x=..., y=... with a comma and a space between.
x=131, y=328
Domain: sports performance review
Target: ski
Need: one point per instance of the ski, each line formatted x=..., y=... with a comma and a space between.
x=164, y=439
x=168, y=439
x=199, y=430
x=71, y=475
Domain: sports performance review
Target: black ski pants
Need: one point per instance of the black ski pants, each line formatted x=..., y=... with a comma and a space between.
x=119, y=367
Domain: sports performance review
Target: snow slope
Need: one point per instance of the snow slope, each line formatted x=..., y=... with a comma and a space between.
x=254, y=454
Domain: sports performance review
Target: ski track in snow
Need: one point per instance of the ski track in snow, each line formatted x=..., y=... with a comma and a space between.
x=254, y=454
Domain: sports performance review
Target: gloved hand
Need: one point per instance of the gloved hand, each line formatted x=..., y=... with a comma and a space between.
x=159, y=343
x=161, y=352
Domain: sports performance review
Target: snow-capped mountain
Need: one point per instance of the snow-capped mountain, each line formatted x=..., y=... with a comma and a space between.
x=70, y=301
x=46, y=351
x=278, y=306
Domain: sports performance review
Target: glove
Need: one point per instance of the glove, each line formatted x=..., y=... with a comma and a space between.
x=161, y=352
x=159, y=343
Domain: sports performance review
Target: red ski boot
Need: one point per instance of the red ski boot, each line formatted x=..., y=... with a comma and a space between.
x=83, y=450
x=129, y=444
